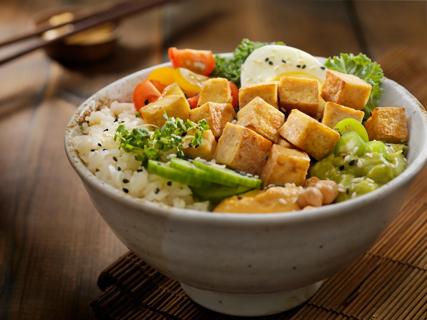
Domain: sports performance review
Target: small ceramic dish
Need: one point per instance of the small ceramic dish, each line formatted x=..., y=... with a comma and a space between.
x=251, y=264
x=87, y=46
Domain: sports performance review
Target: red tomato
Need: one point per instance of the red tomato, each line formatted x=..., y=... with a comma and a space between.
x=234, y=94
x=193, y=101
x=144, y=93
x=199, y=61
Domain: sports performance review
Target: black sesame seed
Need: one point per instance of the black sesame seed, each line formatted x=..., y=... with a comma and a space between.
x=125, y=181
x=139, y=170
x=104, y=149
x=99, y=145
x=298, y=66
x=284, y=61
x=125, y=190
x=119, y=169
x=169, y=183
x=146, y=101
x=266, y=59
x=115, y=120
x=352, y=162
x=239, y=198
x=157, y=191
x=96, y=170
x=105, y=130
x=303, y=66
x=92, y=150
x=270, y=63
x=322, y=67
x=341, y=167
x=115, y=159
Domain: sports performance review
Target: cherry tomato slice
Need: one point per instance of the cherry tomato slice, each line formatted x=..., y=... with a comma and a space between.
x=144, y=93
x=193, y=101
x=234, y=94
x=199, y=61
x=190, y=82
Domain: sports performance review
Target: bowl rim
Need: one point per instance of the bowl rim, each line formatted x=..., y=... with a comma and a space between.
x=193, y=215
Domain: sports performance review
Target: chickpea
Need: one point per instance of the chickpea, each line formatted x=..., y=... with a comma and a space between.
x=311, y=182
x=310, y=197
x=329, y=190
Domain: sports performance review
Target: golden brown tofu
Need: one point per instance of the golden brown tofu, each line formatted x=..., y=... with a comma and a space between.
x=276, y=199
x=215, y=90
x=173, y=105
x=309, y=135
x=284, y=143
x=242, y=149
x=346, y=89
x=388, y=124
x=261, y=117
x=206, y=149
x=267, y=91
x=285, y=165
x=173, y=89
x=334, y=113
x=216, y=114
x=300, y=93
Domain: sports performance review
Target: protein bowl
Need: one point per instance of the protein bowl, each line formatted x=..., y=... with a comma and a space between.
x=246, y=264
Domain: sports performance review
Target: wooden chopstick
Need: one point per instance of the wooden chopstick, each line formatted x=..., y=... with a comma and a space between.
x=116, y=12
x=42, y=29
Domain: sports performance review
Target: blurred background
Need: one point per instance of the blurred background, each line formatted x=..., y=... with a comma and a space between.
x=53, y=244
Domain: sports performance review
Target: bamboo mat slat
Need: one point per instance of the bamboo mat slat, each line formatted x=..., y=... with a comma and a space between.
x=388, y=283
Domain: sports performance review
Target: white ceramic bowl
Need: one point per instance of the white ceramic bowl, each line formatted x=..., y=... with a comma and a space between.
x=252, y=264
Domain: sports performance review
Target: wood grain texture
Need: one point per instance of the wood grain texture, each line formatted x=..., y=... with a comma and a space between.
x=53, y=244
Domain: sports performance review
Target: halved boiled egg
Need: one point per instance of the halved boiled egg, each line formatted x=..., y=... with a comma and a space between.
x=271, y=62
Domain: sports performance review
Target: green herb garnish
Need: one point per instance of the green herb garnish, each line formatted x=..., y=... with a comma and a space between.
x=229, y=68
x=171, y=138
x=363, y=67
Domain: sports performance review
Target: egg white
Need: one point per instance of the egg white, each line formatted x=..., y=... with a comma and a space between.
x=270, y=62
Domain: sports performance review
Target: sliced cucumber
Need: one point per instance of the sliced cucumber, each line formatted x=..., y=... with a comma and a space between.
x=217, y=192
x=166, y=171
x=189, y=168
x=227, y=177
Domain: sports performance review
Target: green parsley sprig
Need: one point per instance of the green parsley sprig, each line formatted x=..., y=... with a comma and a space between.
x=229, y=68
x=171, y=138
x=362, y=66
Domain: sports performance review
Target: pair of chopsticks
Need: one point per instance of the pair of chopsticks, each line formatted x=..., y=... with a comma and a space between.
x=115, y=12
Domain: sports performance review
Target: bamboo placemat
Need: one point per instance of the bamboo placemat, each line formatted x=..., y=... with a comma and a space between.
x=388, y=283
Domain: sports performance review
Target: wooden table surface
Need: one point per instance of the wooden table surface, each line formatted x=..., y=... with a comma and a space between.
x=53, y=243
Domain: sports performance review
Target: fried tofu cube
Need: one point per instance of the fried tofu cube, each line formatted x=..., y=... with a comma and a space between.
x=206, y=149
x=261, y=117
x=267, y=91
x=388, y=124
x=215, y=90
x=285, y=165
x=216, y=114
x=346, y=89
x=334, y=113
x=173, y=89
x=284, y=143
x=242, y=149
x=300, y=93
x=309, y=135
x=173, y=105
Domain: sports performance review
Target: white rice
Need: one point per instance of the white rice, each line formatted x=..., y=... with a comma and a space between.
x=101, y=154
